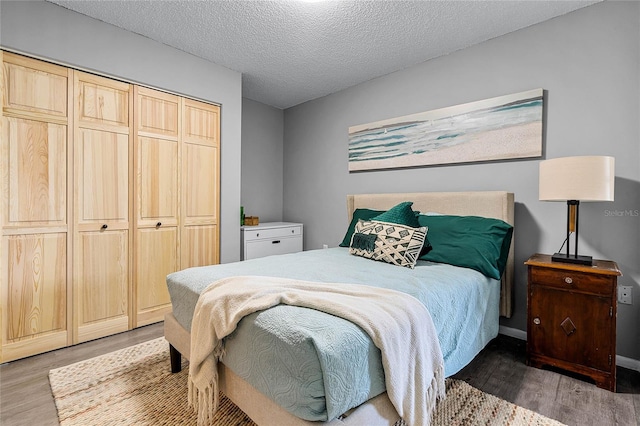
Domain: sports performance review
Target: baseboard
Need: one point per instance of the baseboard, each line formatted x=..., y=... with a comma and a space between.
x=630, y=363
x=513, y=332
x=621, y=361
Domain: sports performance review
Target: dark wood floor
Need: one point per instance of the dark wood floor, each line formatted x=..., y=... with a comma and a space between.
x=25, y=395
x=501, y=371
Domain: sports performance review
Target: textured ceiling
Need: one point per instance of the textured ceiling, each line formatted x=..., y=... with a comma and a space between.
x=290, y=52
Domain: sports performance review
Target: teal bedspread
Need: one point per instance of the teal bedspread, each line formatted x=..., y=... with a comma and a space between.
x=318, y=366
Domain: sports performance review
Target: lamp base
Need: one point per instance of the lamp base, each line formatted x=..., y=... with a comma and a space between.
x=579, y=260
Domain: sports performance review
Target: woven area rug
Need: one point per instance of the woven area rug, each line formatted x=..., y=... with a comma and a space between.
x=134, y=386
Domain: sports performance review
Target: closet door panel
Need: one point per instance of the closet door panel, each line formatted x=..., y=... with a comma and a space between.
x=35, y=296
x=158, y=258
x=102, y=102
x=157, y=112
x=102, y=283
x=158, y=171
x=103, y=170
x=33, y=86
x=201, y=123
x=201, y=178
x=37, y=172
x=199, y=246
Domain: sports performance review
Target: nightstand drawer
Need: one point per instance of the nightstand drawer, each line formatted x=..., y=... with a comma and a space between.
x=571, y=280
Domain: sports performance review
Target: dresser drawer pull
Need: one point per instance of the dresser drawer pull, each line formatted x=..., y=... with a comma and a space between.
x=275, y=242
x=536, y=321
x=568, y=280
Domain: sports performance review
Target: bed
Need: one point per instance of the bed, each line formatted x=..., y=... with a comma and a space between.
x=461, y=339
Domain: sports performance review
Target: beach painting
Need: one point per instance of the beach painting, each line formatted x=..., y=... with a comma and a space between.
x=505, y=127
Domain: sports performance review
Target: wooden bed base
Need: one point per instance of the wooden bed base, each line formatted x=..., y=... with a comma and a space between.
x=378, y=410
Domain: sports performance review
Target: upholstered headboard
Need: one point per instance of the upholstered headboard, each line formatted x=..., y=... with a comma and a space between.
x=493, y=204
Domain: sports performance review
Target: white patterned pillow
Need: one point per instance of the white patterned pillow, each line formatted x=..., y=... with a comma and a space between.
x=388, y=242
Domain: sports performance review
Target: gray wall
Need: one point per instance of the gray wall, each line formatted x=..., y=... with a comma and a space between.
x=262, y=137
x=588, y=62
x=51, y=32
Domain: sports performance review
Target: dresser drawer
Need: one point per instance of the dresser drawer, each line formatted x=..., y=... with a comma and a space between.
x=572, y=280
x=270, y=238
x=261, y=234
x=262, y=248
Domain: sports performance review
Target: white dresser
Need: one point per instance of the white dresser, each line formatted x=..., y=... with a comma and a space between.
x=270, y=238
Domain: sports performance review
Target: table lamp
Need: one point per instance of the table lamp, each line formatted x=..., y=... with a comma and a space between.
x=575, y=179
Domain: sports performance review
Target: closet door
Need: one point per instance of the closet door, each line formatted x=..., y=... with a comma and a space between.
x=103, y=150
x=199, y=236
x=157, y=151
x=34, y=252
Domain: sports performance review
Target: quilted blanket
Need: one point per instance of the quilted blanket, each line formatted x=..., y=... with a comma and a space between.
x=398, y=324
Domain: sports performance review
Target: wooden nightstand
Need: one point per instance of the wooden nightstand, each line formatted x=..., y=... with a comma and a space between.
x=571, y=317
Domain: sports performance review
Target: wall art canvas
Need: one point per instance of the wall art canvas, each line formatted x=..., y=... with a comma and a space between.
x=505, y=127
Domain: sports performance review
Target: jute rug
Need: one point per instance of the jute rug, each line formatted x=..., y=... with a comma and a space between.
x=134, y=386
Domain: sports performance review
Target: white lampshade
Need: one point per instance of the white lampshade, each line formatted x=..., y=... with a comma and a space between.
x=588, y=178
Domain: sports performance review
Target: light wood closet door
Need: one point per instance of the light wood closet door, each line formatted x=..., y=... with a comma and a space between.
x=199, y=237
x=34, y=314
x=103, y=153
x=157, y=151
x=105, y=188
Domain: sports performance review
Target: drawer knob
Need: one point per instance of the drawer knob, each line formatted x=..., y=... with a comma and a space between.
x=536, y=321
x=105, y=226
x=158, y=225
x=568, y=280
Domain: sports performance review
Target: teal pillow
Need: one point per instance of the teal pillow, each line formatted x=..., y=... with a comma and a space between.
x=369, y=214
x=474, y=242
x=364, y=214
x=401, y=214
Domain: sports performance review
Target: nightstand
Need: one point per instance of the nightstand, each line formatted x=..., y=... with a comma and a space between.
x=270, y=238
x=571, y=317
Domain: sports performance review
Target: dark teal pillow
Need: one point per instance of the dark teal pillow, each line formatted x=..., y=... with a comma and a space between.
x=474, y=242
x=364, y=214
x=401, y=214
x=369, y=214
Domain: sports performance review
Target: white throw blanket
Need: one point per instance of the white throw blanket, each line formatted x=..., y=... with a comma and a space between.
x=398, y=324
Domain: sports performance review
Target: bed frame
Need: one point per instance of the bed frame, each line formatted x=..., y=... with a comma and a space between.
x=378, y=410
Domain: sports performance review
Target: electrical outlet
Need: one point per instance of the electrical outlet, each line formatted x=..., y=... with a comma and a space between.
x=624, y=294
